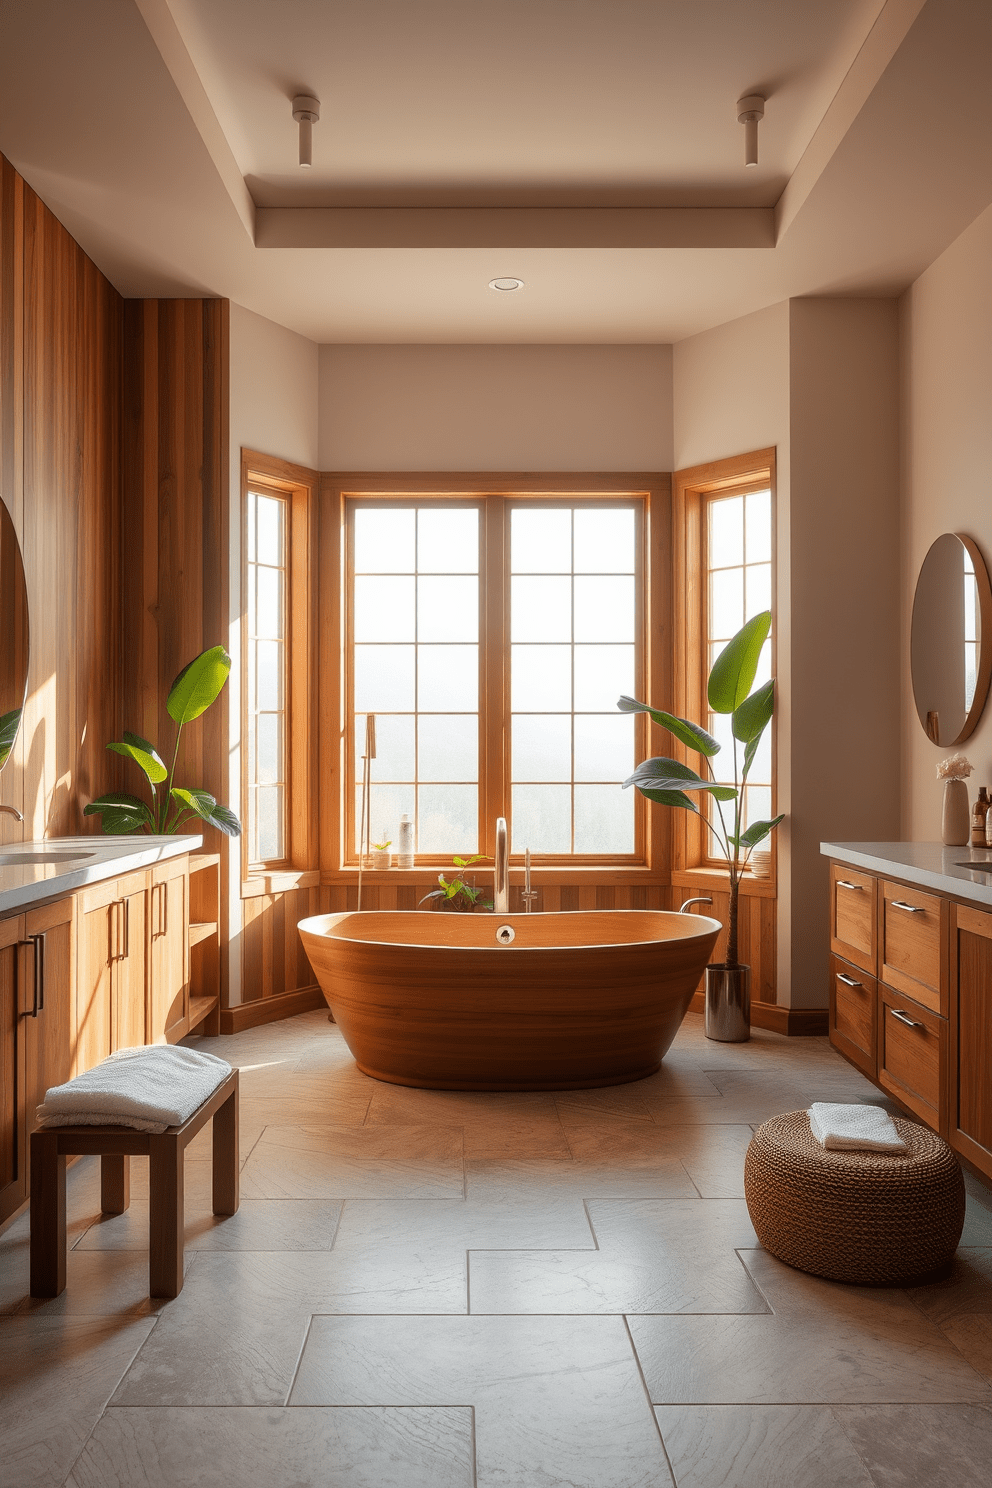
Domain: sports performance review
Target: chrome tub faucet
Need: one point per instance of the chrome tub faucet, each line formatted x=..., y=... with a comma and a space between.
x=501, y=872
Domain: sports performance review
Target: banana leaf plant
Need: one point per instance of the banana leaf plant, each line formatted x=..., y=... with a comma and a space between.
x=672, y=783
x=172, y=808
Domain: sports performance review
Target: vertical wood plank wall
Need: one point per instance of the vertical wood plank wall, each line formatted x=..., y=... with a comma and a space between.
x=175, y=531
x=60, y=371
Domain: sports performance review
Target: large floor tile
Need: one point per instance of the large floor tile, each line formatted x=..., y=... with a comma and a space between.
x=711, y=1154
x=822, y=1343
x=508, y=1180
x=654, y=1256
x=766, y=1446
x=967, y=1290
x=233, y=1335
x=56, y=1376
x=948, y=1446
x=558, y=1401
x=494, y=1124
x=368, y=1162
x=275, y=1224
x=217, y=1448
x=99, y=1284
x=466, y=1224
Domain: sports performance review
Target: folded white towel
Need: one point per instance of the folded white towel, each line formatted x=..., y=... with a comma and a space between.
x=149, y=1088
x=854, y=1128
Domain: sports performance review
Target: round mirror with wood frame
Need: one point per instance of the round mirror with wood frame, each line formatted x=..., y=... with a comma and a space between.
x=951, y=641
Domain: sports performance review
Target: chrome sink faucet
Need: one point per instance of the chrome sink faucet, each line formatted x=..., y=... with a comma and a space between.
x=501, y=872
x=12, y=811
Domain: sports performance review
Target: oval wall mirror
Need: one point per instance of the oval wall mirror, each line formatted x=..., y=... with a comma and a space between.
x=951, y=642
x=13, y=635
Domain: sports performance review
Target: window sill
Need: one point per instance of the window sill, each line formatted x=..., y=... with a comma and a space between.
x=592, y=873
x=717, y=878
x=282, y=881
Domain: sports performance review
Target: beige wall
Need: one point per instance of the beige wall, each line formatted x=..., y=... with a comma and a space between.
x=274, y=376
x=946, y=326
x=818, y=380
x=496, y=408
x=844, y=543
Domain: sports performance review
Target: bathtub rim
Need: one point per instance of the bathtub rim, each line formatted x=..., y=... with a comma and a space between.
x=310, y=923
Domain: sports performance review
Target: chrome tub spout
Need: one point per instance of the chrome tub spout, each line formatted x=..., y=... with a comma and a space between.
x=501, y=885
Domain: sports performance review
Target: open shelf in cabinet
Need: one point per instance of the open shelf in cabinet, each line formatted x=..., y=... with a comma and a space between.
x=204, y=942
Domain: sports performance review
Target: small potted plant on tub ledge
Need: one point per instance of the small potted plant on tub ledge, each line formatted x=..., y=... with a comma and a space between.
x=672, y=783
x=381, y=856
x=459, y=894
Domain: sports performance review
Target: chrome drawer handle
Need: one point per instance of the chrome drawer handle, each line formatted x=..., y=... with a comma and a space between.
x=842, y=883
x=909, y=908
x=909, y=1022
x=848, y=981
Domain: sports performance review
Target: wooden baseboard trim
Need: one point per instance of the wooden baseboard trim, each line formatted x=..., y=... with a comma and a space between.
x=270, y=1009
x=794, y=1022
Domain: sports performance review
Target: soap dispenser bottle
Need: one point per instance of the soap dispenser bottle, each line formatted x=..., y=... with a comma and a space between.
x=979, y=818
x=404, y=855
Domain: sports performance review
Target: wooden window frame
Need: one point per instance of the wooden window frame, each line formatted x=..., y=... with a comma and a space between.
x=692, y=864
x=298, y=487
x=653, y=491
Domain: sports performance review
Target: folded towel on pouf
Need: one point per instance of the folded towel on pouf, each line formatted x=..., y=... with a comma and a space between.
x=149, y=1088
x=854, y=1128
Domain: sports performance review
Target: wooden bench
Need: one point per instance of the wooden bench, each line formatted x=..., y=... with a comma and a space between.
x=115, y=1146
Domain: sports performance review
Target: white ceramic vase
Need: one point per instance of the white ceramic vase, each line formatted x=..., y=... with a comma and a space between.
x=955, y=826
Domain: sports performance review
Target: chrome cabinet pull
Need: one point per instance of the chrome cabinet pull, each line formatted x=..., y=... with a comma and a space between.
x=848, y=981
x=842, y=883
x=909, y=908
x=904, y=1018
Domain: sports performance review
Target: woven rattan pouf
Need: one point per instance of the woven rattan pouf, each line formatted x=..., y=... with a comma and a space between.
x=867, y=1218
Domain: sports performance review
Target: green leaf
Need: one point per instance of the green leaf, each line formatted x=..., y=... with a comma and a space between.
x=9, y=725
x=467, y=862
x=670, y=798
x=672, y=775
x=750, y=750
x=200, y=801
x=198, y=684
x=120, y=813
x=757, y=832
x=734, y=669
x=145, y=756
x=750, y=719
x=224, y=819
x=686, y=732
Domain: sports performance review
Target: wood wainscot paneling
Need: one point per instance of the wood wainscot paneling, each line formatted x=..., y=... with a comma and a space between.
x=175, y=591
x=60, y=381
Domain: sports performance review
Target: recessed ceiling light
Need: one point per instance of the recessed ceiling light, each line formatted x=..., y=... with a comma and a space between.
x=505, y=285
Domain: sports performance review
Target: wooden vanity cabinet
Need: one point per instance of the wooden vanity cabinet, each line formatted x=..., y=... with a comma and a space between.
x=971, y=1036
x=917, y=1020
x=36, y=1040
x=110, y=969
x=168, y=952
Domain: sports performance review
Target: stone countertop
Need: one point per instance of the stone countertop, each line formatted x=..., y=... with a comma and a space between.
x=75, y=862
x=930, y=865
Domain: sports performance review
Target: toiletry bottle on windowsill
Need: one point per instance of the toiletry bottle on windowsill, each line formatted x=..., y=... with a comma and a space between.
x=979, y=818
x=404, y=854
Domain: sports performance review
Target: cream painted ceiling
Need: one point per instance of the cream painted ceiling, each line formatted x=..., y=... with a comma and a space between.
x=589, y=147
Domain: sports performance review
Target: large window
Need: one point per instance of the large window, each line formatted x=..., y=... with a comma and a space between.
x=491, y=638
x=266, y=634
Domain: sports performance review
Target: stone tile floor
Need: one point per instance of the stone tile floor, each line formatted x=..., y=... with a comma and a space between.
x=430, y=1289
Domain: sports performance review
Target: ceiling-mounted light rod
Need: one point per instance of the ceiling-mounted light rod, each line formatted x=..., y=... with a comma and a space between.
x=306, y=111
x=750, y=109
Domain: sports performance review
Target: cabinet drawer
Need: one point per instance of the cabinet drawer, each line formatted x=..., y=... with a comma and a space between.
x=912, y=1055
x=852, y=1013
x=914, y=948
x=852, y=916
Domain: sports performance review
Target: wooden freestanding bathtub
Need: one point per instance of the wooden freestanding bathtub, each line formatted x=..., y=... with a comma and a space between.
x=454, y=1002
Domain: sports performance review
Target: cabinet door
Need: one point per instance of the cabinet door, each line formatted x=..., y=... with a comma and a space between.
x=168, y=980
x=13, y=1153
x=49, y=1033
x=128, y=1028
x=912, y=1056
x=971, y=1036
x=98, y=930
x=852, y=916
x=852, y=1014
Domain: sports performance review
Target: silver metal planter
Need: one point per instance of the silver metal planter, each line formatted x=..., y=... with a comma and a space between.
x=728, y=1004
